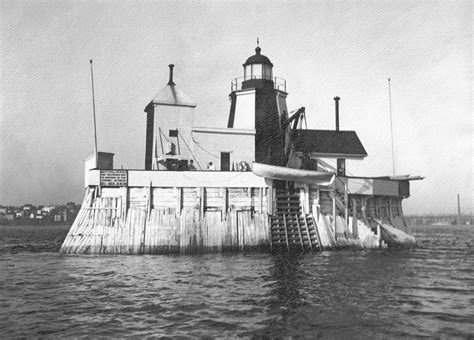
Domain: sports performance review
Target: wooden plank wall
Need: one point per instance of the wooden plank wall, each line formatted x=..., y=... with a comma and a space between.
x=170, y=220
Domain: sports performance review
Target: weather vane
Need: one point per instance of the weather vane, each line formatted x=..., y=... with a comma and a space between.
x=257, y=41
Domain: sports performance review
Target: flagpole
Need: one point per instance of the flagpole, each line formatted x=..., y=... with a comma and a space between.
x=391, y=124
x=95, y=126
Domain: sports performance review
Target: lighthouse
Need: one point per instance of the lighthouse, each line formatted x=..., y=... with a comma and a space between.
x=258, y=101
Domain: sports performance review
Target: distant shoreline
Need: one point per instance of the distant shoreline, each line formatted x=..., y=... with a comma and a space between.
x=35, y=225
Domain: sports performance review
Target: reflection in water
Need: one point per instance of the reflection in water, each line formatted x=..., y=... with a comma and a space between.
x=357, y=294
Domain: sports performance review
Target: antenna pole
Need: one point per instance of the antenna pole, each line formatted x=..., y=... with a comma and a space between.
x=95, y=126
x=391, y=124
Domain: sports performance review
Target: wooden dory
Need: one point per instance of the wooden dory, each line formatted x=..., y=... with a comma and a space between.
x=289, y=174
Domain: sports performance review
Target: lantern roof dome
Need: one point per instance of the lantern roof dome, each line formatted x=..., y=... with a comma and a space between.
x=258, y=58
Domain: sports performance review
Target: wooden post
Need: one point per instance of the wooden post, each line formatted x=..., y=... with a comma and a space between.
x=334, y=213
x=364, y=201
x=346, y=206
x=390, y=215
x=271, y=198
x=355, y=231
x=318, y=205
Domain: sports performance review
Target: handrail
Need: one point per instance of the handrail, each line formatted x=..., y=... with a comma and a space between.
x=278, y=83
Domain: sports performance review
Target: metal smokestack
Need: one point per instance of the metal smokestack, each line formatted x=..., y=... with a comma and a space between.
x=171, y=82
x=336, y=100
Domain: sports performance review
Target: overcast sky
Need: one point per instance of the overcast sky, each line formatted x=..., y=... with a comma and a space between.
x=322, y=49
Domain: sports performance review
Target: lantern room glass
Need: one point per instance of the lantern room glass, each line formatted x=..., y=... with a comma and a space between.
x=267, y=72
x=258, y=71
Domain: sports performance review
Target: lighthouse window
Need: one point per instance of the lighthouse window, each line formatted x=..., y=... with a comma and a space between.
x=248, y=72
x=257, y=71
x=267, y=72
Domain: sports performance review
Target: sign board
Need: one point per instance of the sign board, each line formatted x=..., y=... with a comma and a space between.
x=113, y=178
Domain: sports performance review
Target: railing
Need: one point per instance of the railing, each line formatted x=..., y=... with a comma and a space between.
x=278, y=83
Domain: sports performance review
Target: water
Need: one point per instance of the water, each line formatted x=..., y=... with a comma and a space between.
x=428, y=291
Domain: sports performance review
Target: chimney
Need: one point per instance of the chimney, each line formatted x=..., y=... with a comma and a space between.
x=336, y=99
x=170, y=82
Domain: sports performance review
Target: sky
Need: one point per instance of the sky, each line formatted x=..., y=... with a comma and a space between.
x=322, y=48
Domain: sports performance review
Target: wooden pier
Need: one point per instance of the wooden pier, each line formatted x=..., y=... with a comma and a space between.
x=137, y=219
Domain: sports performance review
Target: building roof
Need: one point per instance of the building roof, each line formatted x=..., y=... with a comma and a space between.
x=329, y=143
x=258, y=58
x=171, y=95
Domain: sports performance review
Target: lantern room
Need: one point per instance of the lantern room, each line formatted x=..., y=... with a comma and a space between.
x=258, y=71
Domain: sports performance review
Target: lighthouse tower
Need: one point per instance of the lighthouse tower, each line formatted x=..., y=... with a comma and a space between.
x=258, y=101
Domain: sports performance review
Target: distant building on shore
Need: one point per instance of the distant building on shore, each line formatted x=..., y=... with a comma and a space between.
x=449, y=219
x=30, y=214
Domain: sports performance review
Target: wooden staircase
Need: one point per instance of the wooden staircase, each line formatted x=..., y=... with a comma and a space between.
x=290, y=228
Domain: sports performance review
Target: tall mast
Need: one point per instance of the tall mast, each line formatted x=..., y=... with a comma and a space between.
x=391, y=124
x=93, y=108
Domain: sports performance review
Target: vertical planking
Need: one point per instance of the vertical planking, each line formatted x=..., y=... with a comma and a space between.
x=225, y=201
x=334, y=213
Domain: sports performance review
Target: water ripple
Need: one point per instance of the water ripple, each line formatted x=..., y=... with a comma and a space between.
x=422, y=292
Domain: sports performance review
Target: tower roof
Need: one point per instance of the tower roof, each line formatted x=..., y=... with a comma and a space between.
x=171, y=95
x=258, y=58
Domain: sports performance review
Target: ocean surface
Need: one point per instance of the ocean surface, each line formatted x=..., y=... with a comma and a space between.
x=422, y=292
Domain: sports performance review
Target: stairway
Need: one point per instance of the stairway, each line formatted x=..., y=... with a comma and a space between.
x=290, y=228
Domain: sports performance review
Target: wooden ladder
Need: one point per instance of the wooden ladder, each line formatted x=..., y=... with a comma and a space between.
x=290, y=228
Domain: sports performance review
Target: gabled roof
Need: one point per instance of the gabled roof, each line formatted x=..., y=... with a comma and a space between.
x=329, y=143
x=171, y=95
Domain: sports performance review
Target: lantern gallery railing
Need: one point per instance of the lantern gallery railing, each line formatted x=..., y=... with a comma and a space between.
x=278, y=83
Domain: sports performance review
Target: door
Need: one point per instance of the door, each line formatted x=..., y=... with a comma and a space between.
x=225, y=161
